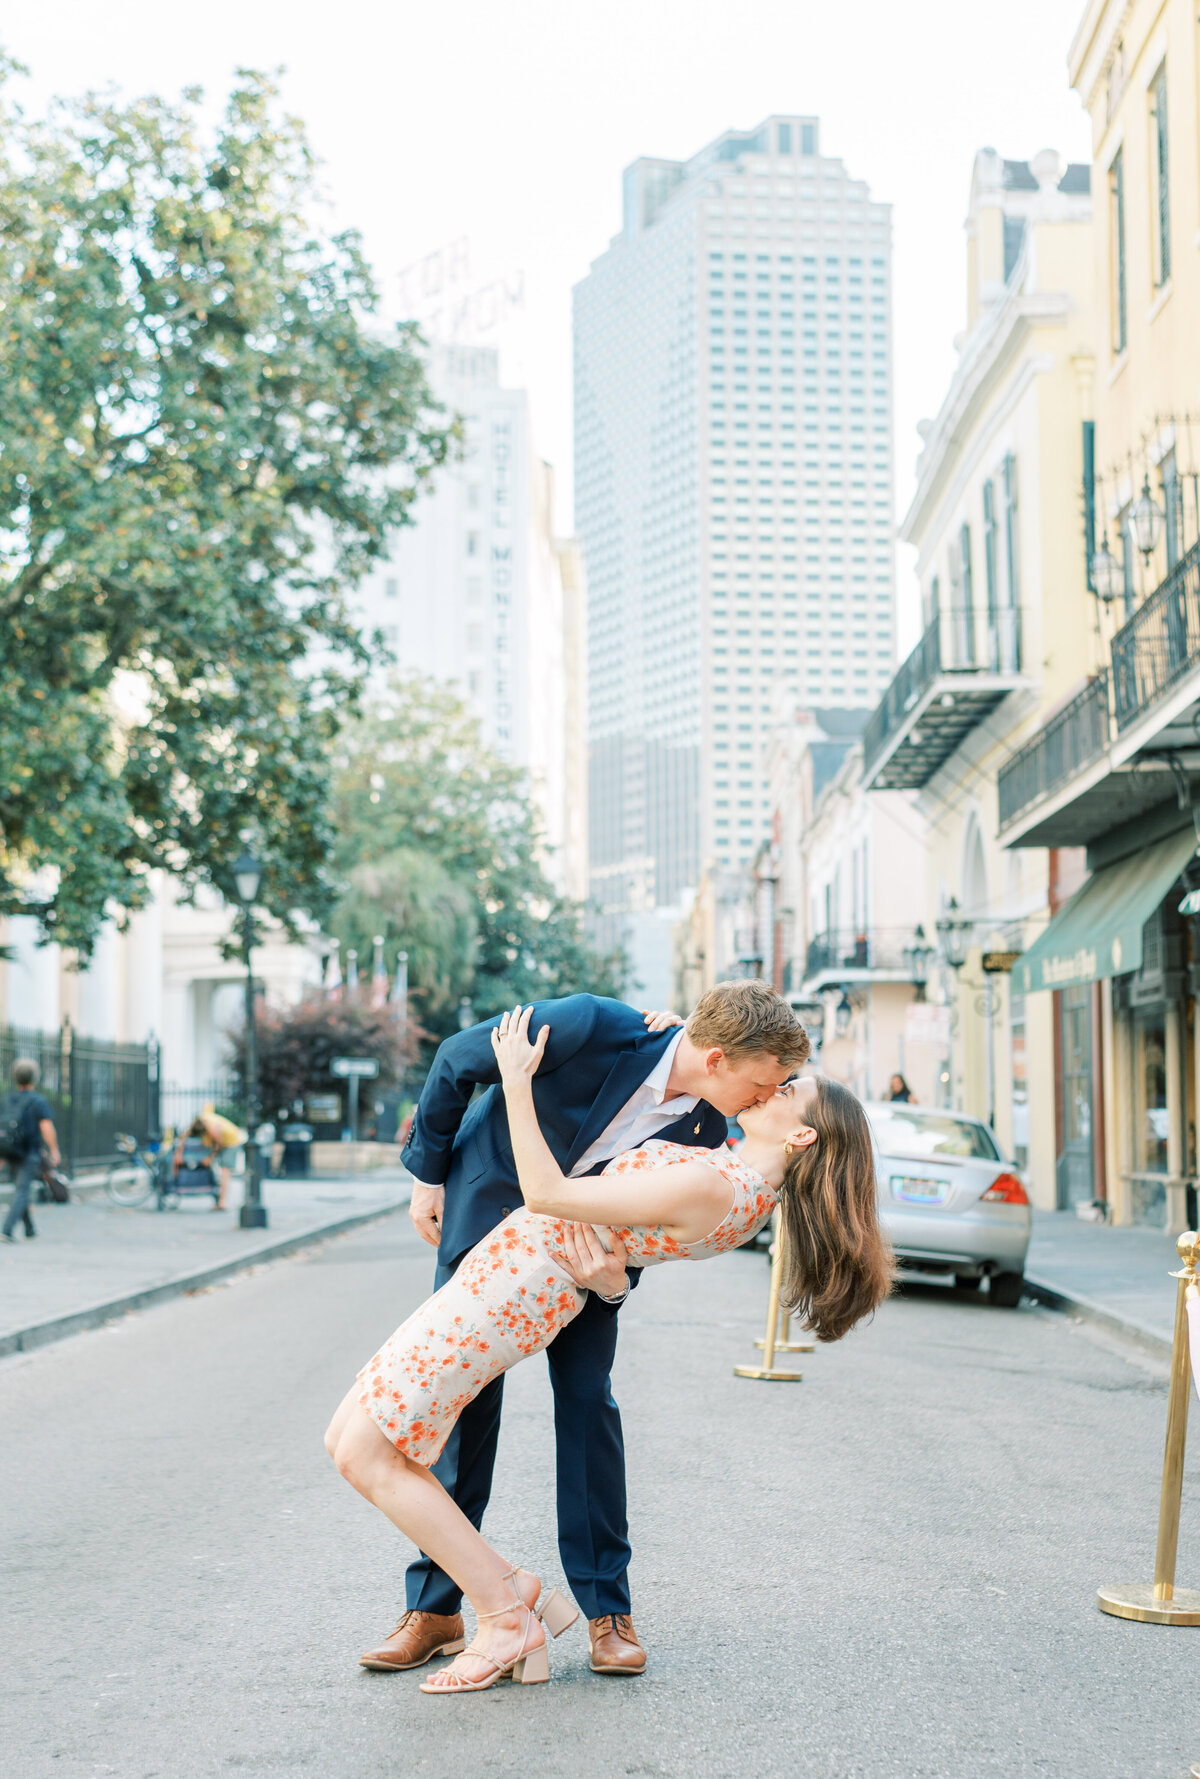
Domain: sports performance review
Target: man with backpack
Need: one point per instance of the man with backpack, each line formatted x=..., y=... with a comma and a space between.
x=24, y=1134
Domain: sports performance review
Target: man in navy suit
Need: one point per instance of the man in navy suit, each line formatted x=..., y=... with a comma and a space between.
x=606, y=1085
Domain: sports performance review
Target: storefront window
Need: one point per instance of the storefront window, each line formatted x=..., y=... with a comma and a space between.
x=1020, y=1080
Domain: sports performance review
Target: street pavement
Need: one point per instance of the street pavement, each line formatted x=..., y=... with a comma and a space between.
x=1124, y=1272
x=888, y=1569
x=90, y=1250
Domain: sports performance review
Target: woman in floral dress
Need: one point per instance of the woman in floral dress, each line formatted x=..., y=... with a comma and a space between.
x=808, y=1149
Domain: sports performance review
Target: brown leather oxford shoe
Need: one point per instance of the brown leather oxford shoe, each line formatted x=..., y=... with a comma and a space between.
x=615, y=1646
x=416, y=1640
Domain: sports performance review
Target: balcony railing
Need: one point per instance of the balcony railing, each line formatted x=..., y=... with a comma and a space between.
x=1159, y=644
x=875, y=948
x=1071, y=740
x=961, y=640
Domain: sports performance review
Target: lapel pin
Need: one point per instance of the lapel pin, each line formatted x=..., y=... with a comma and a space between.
x=695, y=1130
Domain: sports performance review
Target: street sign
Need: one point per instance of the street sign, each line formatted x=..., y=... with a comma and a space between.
x=999, y=963
x=352, y=1067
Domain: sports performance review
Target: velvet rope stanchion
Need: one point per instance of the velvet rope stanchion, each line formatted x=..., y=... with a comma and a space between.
x=1161, y=1602
x=771, y=1344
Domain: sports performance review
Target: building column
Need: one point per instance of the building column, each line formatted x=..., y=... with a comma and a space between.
x=1104, y=1089
x=1176, y=1148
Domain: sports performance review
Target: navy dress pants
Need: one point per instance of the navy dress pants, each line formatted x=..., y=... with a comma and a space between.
x=593, y=1538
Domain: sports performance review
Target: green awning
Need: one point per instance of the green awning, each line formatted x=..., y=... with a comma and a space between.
x=1099, y=932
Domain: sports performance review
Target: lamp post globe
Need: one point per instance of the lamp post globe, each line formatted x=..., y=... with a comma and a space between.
x=247, y=875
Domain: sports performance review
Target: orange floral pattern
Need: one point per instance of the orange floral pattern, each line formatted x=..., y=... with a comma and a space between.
x=512, y=1295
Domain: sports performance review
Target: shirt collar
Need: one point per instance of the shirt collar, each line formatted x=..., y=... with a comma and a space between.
x=659, y=1075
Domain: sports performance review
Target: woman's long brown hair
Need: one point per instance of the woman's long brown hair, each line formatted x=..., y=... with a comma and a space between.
x=837, y=1264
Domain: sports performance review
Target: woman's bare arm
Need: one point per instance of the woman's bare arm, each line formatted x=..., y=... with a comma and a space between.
x=688, y=1200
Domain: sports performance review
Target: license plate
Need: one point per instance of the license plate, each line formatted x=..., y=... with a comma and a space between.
x=911, y=1191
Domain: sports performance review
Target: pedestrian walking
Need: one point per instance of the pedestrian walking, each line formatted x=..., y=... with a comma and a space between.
x=521, y=1289
x=33, y=1130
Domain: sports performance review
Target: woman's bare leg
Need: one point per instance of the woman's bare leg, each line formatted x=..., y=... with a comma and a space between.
x=415, y=1501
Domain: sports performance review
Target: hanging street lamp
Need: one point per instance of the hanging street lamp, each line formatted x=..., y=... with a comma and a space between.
x=1108, y=577
x=1146, y=519
x=916, y=955
x=954, y=935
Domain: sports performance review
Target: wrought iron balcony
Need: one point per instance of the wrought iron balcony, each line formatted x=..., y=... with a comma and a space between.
x=862, y=955
x=1070, y=741
x=1107, y=757
x=1160, y=644
x=966, y=662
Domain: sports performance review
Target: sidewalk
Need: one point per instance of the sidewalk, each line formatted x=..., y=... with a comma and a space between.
x=92, y=1260
x=1117, y=1277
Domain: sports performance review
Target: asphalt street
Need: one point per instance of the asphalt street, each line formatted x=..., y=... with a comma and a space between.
x=886, y=1570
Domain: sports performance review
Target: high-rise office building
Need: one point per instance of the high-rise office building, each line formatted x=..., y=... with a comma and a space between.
x=479, y=592
x=734, y=493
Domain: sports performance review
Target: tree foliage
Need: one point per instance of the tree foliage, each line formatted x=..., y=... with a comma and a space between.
x=203, y=444
x=296, y=1047
x=418, y=789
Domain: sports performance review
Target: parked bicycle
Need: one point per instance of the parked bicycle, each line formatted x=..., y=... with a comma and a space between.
x=139, y=1171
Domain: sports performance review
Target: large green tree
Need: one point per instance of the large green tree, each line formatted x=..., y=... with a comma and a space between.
x=417, y=788
x=204, y=442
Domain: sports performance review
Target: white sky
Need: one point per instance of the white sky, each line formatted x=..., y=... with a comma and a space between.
x=509, y=123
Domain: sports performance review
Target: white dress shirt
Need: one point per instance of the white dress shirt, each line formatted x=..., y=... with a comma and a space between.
x=642, y=1116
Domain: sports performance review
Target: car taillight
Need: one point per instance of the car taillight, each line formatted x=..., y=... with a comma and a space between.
x=1005, y=1189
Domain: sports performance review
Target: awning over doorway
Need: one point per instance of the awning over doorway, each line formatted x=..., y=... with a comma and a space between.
x=1099, y=932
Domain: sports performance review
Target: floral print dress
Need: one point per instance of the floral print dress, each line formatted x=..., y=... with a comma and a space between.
x=512, y=1295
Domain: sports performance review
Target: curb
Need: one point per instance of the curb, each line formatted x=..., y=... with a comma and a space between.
x=1055, y=1299
x=41, y=1334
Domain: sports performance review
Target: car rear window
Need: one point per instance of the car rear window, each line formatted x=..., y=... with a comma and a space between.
x=899, y=1131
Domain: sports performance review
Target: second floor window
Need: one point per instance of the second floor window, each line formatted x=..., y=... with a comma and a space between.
x=1116, y=237
x=1162, y=181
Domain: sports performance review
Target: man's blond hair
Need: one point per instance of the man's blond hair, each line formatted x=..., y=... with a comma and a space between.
x=748, y=1018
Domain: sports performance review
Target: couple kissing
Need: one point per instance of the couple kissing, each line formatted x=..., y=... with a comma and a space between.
x=598, y=1149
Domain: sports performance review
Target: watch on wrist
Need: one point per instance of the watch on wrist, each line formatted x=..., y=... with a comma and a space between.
x=619, y=1298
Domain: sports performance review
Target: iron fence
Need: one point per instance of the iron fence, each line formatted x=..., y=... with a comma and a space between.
x=96, y=1087
x=1071, y=740
x=179, y=1105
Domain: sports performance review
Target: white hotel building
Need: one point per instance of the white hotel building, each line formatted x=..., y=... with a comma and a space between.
x=734, y=494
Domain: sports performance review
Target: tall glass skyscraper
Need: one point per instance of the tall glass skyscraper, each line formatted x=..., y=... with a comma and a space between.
x=734, y=492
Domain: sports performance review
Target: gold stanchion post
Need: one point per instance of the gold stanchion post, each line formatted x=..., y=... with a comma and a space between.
x=767, y=1369
x=1161, y=1602
x=784, y=1344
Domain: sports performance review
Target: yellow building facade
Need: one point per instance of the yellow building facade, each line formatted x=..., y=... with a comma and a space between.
x=1112, y=777
x=1008, y=628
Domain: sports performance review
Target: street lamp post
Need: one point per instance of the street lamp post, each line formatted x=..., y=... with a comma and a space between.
x=954, y=935
x=247, y=875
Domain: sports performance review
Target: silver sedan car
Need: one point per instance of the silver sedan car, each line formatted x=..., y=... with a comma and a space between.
x=948, y=1200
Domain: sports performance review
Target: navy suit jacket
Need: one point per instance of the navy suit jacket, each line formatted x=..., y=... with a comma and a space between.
x=599, y=1052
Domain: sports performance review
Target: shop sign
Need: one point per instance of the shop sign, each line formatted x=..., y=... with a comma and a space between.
x=925, y=1023
x=999, y=963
